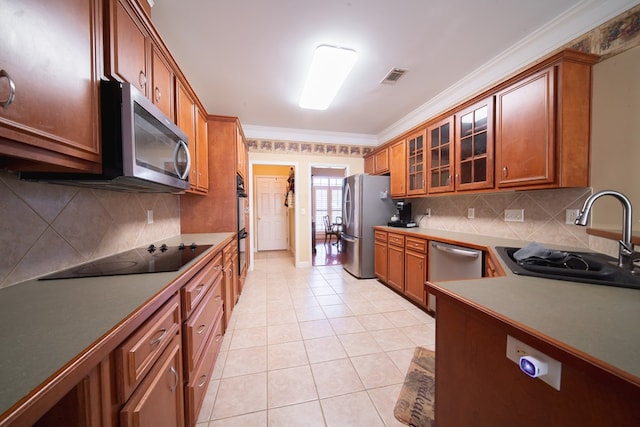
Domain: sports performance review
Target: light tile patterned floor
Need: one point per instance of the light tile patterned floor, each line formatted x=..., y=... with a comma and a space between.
x=313, y=347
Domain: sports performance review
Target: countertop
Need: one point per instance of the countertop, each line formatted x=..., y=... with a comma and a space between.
x=45, y=325
x=600, y=322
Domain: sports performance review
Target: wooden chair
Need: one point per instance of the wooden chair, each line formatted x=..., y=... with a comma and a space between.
x=330, y=229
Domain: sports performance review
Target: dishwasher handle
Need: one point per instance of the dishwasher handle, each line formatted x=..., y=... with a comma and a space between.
x=455, y=250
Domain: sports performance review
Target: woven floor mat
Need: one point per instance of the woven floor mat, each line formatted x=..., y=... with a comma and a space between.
x=415, y=404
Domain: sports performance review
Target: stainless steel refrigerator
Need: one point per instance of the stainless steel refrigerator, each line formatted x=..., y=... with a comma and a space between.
x=365, y=202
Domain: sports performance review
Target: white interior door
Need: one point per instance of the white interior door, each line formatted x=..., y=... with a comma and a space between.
x=271, y=213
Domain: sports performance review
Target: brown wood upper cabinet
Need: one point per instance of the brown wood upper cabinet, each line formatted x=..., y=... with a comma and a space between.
x=474, y=146
x=193, y=122
x=543, y=125
x=416, y=163
x=525, y=131
x=440, y=156
x=377, y=163
x=135, y=57
x=35, y=132
x=242, y=154
x=398, y=168
x=381, y=161
x=369, y=164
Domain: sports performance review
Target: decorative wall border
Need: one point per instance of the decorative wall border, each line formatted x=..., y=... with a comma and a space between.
x=308, y=148
x=613, y=37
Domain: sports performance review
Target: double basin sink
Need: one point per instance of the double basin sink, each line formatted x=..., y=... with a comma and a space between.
x=586, y=267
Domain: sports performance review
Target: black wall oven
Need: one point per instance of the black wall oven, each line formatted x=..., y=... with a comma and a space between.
x=243, y=210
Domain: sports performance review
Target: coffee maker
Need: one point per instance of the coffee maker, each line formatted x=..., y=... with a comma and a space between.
x=402, y=217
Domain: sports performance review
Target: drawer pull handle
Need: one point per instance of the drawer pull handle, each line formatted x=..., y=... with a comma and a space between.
x=201, y=329
x=200, y=288
x=218, y=298
x=163, y=332
x=204, y=380
x=175, y=374
x=12, y=90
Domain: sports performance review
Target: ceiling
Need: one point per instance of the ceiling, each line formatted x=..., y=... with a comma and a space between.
x=249, y=58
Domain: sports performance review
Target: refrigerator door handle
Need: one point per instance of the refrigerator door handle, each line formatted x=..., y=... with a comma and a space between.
x=348, y=238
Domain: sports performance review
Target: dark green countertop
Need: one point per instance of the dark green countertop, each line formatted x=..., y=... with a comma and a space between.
x=44, y=325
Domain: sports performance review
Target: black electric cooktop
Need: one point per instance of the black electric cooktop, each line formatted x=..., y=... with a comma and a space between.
x=151, y=259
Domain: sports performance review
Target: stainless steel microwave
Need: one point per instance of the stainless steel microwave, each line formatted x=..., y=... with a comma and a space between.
x=142, y=150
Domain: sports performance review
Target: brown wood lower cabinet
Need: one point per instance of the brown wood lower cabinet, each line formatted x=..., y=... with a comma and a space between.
x=381, y=255
x=203, y=331
x=154, y=371
x=138, y=354
x=401, y=262
x=159, y=400
x=476, y=385
x=201, y=376
x=395, y=273
x=415, y=265
x=230, y=286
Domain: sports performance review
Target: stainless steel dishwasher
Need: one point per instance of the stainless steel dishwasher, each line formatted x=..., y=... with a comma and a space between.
x=451, y=262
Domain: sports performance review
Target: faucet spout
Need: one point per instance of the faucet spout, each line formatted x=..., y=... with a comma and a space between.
x=625, y=254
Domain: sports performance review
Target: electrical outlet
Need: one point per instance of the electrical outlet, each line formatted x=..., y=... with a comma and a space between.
x=517, y=349
x=427, y=212
x=514, y=215
x=471, y=213
x=149, y=216
x=571, y=215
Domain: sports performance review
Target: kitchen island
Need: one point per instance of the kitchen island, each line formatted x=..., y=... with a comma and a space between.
x=593, y=330
x=55, y=332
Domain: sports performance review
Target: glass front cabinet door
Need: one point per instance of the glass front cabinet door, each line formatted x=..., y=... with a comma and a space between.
x=416, y=163
x=474, y=146
x=440, y=156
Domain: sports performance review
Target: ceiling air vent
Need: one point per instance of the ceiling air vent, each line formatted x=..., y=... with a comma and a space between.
x=393, y=76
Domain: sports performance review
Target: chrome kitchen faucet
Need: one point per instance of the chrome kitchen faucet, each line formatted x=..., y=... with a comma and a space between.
x=626, y=254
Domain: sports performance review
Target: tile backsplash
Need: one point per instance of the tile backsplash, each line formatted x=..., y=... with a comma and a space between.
x=544, y=215
x=49, y=227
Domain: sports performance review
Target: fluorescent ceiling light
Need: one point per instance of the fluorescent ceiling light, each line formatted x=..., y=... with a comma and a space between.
x=329, y=69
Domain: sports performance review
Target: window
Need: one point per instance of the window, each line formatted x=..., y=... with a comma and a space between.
x=327, y=193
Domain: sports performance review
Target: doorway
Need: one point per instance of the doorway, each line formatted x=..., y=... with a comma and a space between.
x=326, y=202
x=274, y=219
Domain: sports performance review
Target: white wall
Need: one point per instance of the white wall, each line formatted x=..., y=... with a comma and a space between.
x=615, y=136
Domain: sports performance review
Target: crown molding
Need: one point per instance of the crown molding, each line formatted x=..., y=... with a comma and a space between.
x=574, y=23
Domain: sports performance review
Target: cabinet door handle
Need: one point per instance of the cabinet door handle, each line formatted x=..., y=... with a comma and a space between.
x=158, y=94
x=163, y=332
x=505, y=172
x=177, y=377
x=203, y=381
x=12, y=89
x=142, y=79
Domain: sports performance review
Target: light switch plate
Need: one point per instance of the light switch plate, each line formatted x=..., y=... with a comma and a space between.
x=149, y=216
x=516, y=349
x=471, y=213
